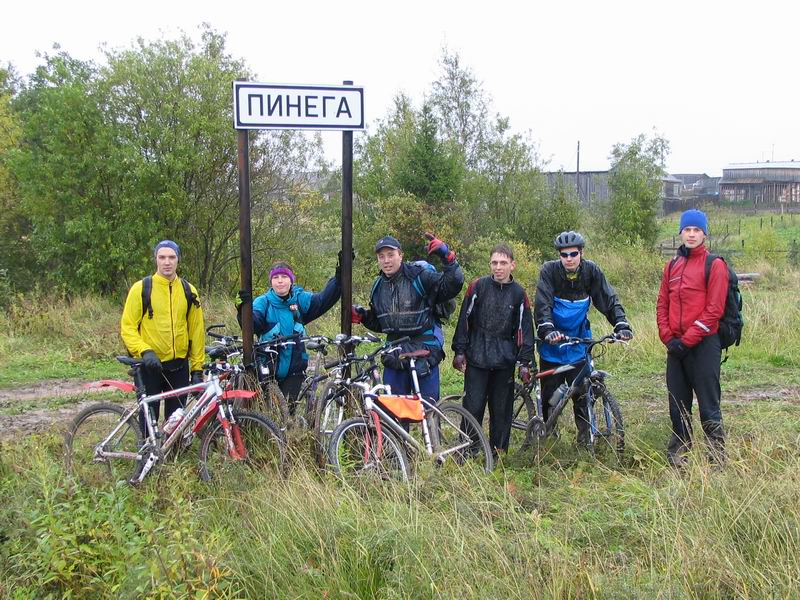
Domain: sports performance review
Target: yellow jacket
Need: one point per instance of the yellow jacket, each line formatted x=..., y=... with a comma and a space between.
x=169, y=333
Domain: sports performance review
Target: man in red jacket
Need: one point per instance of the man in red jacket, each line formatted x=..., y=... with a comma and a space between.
x=688, y=312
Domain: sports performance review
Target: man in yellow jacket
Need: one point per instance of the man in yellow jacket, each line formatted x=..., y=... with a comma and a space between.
x=168, y=331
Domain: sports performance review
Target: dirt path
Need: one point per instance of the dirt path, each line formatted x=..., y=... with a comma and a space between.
x=49, y=403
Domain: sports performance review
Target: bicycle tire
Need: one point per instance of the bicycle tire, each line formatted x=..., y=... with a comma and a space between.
x=523, y=409
x=329, y=411
x=271, y=403
x=352, y=453
x=264, y=442
x=608, y=416
x=452, y=432
x=90, y=427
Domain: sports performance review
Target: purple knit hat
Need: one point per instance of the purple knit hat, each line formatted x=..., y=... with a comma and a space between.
x=282, y=271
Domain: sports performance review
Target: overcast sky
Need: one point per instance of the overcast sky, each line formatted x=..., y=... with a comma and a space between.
x=715, y=78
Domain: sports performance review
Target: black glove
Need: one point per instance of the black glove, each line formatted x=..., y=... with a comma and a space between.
x=623, y=331
x=677, y=348
x=244, y=297
x=151, y=361
x=197, y=377
x=554, y=337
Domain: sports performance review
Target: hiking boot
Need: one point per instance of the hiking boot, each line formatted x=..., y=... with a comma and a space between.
x=677, y=461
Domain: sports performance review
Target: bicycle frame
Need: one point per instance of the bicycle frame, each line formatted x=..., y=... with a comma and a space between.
x=201, y=411
x=587, y=375
x=370, y=406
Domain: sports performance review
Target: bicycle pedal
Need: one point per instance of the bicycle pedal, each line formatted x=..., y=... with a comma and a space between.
x=146, y=467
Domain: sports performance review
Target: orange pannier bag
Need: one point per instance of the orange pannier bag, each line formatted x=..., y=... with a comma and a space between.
x=404, y=408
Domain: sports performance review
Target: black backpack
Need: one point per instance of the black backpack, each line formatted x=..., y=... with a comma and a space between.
x=732, y=322
x=147, y=290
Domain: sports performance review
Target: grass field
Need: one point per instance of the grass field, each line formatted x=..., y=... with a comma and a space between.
x=560, y=525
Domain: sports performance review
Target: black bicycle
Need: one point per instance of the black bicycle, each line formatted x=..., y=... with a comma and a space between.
x=589, y=386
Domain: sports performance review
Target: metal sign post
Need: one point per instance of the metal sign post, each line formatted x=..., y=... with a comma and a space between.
x=347, y=229
x=279, y=106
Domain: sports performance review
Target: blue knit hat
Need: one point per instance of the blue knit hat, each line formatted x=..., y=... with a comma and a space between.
x=694, y=218
x=167, y=244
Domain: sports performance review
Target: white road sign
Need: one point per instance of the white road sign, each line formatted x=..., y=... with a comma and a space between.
x=275, y=106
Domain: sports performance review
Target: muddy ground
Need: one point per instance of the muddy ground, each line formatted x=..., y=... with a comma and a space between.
x=51, y=405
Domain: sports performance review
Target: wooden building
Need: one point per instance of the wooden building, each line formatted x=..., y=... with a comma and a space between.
x=761, y=183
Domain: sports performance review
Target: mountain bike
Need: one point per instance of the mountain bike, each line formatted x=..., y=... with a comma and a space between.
x=588, y=387
x=376, y=444
x=106, y=440
x=339, y=397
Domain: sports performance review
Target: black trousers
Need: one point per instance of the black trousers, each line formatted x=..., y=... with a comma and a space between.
x=549, y=386
x=495, y=387
x=290, y=386
x=696, y=373
x=174, y=374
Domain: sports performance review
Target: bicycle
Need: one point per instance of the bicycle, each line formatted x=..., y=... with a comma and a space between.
x=104, y=436
x=589, y=386
x=339, y=396
x=271, y=401
x=376, y=443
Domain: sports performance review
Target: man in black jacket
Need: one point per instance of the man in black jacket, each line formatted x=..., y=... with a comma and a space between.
x=494, y=331
x=567, y=288
x=401, y=304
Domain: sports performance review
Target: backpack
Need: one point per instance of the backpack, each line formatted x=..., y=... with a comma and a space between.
x=443, y=310
x=731, y=322
x=147, y=290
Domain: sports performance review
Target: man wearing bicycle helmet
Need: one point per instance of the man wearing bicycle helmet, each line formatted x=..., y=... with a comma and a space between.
x=162, y=323
x=401, y=304
x=566, y=289
x=284, y=310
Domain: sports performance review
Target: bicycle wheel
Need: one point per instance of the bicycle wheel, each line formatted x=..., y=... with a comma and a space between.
x=87, y=431
x=271, y=403
x=265, y=450
x=608, y=420
x=524, y=408
x=356, y=452
x=457, y=437
x=330, y=410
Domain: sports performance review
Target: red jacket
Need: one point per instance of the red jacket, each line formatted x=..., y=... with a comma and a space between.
x=686, y=309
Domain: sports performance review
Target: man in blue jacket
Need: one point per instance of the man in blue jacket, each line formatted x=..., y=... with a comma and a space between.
x=567, y=288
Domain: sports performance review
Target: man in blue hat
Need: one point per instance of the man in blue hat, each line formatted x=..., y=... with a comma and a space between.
x=691, y=302
x=401, y=304
x=162, y=323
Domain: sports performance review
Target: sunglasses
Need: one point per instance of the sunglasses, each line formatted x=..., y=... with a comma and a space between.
x=570, y=254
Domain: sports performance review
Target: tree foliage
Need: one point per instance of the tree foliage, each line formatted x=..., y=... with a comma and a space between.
x=113, y=158
x=635, y=182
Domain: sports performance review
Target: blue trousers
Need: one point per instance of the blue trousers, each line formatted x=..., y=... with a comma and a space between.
x=401, y=382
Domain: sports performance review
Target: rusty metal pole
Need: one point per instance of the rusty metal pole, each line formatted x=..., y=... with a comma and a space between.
x=243, y=159
x=347, y=229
